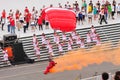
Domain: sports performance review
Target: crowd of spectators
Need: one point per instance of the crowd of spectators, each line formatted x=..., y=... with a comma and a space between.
x=100, y=11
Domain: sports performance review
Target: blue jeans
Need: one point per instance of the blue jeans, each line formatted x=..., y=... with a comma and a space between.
x=12, y=29
x=106, y=15
x=8, y=27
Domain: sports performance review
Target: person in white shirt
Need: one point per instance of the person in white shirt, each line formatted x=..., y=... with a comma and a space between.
x=118, y=9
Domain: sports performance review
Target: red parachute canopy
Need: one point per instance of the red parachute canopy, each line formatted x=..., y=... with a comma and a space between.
x=60, y=19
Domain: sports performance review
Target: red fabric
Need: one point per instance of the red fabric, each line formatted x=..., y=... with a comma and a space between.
x=51, y=65
x=3, y=14
x=39, y=21
x=28, y=17
x=17, y=15
x=60, y=19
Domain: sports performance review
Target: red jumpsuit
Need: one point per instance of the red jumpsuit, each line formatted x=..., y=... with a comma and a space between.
x=51, y=65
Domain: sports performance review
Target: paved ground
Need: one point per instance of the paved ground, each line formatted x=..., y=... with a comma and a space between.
x=35, y=72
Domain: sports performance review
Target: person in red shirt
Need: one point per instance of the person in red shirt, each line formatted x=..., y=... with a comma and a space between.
x=27, y=19
x=3, y=18
x=50, y=66
x=12, y=25
x=40, y=23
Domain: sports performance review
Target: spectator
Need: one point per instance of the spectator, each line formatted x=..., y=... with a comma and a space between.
x=106, y=11
x=91, y=4
x=90, y=15
x=27, y=19
x=3, y=18
x=95, y=12
x=8, y=23
x=113, y=11
x=98, y=4
x=24, y=26
x=118, y=9
x=83, y=13
x=85, y=6
x=33, y=24
x=17, y=16
x=102, y=16
x=40, y=23
x=80, y=18
x=76, y=6
x=117, y=75
x=89, y=8
x=109, y=10
x=12, y=25
x=105, y=76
